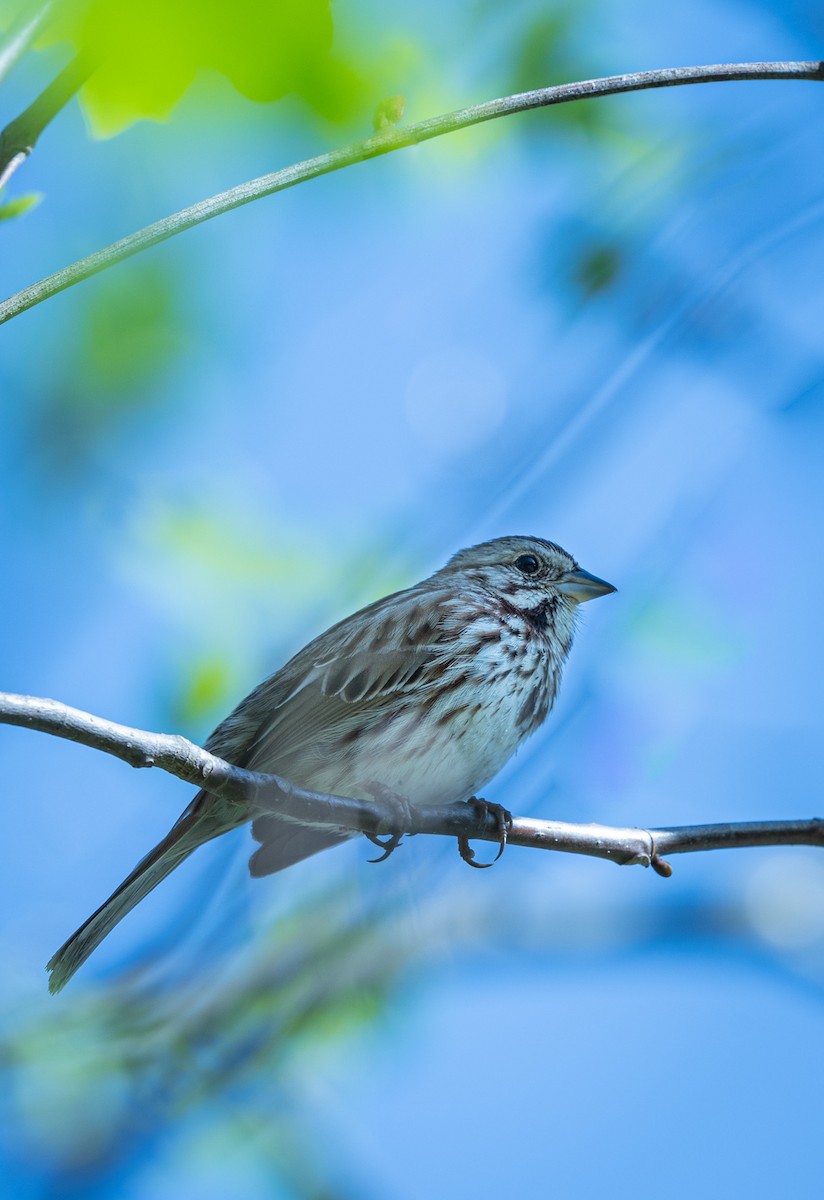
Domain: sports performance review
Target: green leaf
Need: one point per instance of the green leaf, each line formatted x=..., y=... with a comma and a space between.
x=148, y=54
x=19, y=205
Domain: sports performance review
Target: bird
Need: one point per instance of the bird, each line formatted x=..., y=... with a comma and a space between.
x=424, y=695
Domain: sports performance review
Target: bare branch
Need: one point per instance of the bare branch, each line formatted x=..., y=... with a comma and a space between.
x=393, y=138
x=258, y=792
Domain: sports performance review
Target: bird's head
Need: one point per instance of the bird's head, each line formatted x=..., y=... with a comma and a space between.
x=527, y=572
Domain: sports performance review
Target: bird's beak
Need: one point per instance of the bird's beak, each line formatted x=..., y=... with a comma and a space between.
x=580, y=585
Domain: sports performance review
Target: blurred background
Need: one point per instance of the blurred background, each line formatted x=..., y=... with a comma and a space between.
x=601, y=324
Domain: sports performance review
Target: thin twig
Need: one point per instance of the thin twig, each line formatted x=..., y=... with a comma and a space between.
x=257, y=792
x=395, y=138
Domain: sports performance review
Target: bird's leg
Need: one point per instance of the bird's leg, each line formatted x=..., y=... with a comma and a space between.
x=503, y=819
x=403, y=819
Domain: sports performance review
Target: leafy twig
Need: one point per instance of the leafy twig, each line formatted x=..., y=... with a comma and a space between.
x=394, y=138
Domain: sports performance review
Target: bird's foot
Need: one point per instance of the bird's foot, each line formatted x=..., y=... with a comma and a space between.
x=503, y=819
x=403, y=818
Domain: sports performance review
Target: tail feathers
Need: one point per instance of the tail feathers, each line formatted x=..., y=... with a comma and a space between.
x=195, y=827
x=284, y=843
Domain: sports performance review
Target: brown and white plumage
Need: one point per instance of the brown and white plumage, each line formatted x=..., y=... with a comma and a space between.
x=427, y=692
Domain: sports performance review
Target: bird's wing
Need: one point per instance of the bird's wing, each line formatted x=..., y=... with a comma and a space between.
x=339, y=681
x=341, y=696
x=334, y=697
x=339, y=687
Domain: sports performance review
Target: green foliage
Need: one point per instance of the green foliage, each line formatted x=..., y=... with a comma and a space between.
x=148, y=54
x=203, y=692
x=215, y=545
x=130, y=333
x=103, y=1073
x=19, y=205
x=598, y=268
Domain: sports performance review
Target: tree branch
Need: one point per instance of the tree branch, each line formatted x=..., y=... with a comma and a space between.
x=258, y=792
x=395, y=138
x=19, y=137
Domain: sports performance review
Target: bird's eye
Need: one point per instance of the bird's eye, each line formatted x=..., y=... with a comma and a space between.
x=528, y=564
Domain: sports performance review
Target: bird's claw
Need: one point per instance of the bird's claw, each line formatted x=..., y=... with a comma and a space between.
x=387, y=844
x=403, y=819
x=503, y=819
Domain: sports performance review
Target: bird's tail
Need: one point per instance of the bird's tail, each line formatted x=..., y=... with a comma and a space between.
x=198, y=824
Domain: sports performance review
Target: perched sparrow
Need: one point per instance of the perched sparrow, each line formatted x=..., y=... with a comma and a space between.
x=426, y=693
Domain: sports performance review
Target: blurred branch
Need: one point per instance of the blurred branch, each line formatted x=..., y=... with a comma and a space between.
x=259, y=792
x=393, y=138
x=21, y=34
x=19, y=137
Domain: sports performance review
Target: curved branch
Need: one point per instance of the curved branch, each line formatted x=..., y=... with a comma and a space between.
x=384, y=143
x=177, y=756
